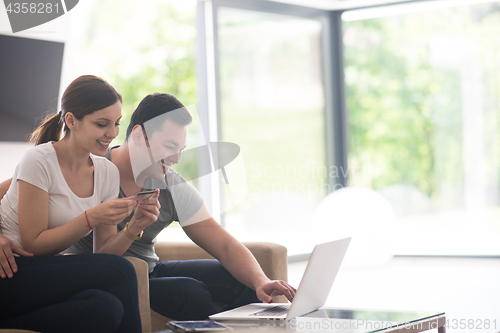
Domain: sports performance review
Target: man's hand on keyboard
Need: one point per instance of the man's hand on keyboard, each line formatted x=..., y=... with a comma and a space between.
x=274, y=288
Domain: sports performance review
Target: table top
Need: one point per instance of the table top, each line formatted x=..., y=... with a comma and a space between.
x=347, y=320
x=367, y=320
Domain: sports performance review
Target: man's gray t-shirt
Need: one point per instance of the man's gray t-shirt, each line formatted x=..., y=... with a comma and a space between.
x=179, y=202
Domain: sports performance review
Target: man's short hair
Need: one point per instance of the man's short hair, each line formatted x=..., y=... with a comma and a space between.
x=156, y=105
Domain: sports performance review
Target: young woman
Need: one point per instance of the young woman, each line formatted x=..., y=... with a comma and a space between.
x=60, y=192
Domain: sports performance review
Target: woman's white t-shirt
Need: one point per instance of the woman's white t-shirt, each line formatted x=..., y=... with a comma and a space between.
x=40, y=167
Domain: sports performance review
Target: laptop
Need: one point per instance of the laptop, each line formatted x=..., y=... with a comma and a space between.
x=311, y=294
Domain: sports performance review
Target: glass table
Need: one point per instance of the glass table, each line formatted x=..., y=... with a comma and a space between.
x=348, y=321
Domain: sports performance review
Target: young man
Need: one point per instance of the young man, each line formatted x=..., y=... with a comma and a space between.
x=183, y=290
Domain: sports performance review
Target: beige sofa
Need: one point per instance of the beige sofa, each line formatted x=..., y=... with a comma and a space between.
x=271, y=257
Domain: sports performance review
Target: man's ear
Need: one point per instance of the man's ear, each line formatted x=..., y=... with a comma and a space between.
x=137, y=135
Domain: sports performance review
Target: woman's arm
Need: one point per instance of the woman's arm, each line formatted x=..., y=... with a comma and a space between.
x=33, y=217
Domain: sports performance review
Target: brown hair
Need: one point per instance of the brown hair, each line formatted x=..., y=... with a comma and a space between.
x=85, y=95
x=155, y=105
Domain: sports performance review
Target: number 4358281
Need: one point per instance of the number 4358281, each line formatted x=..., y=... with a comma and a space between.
x=33, y=8
x=471, y=324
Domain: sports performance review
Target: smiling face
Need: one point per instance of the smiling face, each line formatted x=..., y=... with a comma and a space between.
x=166, y=147
x=95, y=131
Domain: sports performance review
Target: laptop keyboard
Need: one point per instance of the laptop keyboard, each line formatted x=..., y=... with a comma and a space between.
x=274, y=311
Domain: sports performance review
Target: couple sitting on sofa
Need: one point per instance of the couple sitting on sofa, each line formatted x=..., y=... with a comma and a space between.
x=62, y=190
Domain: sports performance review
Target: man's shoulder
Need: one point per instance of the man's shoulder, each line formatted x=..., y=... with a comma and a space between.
x=108, y=152
x=103, y=162
x=174, y=178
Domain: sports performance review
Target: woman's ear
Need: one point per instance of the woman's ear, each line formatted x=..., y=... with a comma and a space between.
x=70, y=120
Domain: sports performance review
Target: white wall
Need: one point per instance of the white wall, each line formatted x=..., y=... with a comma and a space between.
x=58, y=30
x=11, y=153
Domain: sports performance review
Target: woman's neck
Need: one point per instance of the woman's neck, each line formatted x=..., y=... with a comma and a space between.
x=70, y=157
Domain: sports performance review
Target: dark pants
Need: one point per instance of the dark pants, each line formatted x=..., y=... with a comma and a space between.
x=78, y=293
x=185, y=290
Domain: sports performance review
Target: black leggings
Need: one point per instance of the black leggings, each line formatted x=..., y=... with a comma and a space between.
x=77, y=293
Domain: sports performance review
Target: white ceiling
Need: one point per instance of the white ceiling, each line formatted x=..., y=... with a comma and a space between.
x=340, y=4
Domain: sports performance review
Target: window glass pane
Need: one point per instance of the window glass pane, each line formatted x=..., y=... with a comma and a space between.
x=133, y=47
x=423, y=103
x=141, y=48
x=272, y=106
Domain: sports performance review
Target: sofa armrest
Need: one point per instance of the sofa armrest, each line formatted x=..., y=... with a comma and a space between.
x=180, y=251
x=142, y=272
x=271, y=257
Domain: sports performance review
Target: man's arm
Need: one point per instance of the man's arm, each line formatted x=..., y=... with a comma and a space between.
x=4, y=187
x=236, y=258
x=7, y=263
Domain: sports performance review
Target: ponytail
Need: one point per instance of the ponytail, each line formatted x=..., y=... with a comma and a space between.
x=85, y=95
x=49, y=130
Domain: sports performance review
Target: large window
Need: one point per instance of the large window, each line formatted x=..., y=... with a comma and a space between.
x=423, y=104
x=272, y=106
